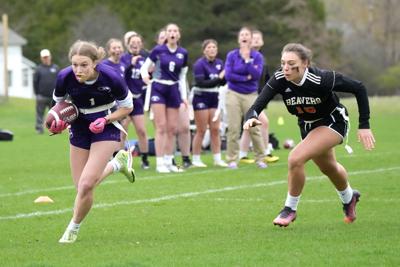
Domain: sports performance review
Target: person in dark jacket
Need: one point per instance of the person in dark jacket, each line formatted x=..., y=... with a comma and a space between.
x=44, y=81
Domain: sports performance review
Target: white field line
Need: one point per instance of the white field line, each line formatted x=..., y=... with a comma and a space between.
x=221, y=199
x=182, y=195
x=154, y=177
x=122, y=180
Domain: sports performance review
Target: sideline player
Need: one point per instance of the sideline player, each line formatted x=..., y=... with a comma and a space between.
x=168, y=91
x=135, y=60
x=208, y=72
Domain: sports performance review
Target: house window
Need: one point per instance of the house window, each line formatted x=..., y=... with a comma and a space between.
x=9, y=78
x=25, y=77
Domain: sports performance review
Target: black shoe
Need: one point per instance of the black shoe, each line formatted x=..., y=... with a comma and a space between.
x=187, y=164
x=145, y=164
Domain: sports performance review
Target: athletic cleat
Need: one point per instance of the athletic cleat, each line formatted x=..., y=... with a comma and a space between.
x=271, y=158
x=285, y=217
x=232, y=165
x=199, y=164
x=69, y=236
x=220, y=163
x=350, y=208
x=261, y=165
x=187, y=164
x=173, y=168
x=145, y=164
x=125, y=161
x=162, y=169
x=246, y=160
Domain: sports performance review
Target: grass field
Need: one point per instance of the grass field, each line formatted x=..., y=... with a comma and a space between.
x=203, y=217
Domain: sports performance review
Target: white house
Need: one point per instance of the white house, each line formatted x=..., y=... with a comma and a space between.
x=20, y=69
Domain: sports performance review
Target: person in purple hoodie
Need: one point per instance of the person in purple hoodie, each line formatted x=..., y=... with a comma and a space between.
x=166, y=91
x=257, y=43
x=243, y=69
x=102, y=97
x=208, y=72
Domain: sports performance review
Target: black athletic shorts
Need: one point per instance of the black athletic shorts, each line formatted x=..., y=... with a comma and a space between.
x=337, y=120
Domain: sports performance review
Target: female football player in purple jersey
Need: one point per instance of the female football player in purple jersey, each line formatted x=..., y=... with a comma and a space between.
x=168, y=90
x=208, y=72
x=243, y=69
x=103, y=98
x=257, y=42
x=309, y=93
x=183, y=134
x=114, y=50
x=138, y=90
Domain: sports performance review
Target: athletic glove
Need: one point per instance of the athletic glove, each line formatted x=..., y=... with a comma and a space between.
x=98, y=125
x=58, y=127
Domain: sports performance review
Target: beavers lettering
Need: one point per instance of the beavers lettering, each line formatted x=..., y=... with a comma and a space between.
x=302, y=100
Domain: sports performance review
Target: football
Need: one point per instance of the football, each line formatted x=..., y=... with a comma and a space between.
x=288, y=144
x=65, y=111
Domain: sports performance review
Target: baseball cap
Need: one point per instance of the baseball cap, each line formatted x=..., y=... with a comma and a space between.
x=45, y=53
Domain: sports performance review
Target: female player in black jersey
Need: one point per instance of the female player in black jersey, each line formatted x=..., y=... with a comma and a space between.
x=308, y=93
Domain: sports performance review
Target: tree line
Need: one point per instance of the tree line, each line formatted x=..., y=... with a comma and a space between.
x=57, y=24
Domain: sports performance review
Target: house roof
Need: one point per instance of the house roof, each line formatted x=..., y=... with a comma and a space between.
x=13, y=37
x=28, y=62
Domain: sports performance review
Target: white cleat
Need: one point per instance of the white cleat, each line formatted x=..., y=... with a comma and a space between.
x=162, y=169
x=69, y=236
x=173, y=168
x=198, y=164
x=220, y=163
x=124, y=159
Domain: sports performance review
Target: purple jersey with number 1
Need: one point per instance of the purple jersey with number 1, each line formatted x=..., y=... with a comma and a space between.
x=168, y=66
x=108, y=87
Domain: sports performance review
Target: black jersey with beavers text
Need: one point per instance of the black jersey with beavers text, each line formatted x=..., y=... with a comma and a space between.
x=313, y=98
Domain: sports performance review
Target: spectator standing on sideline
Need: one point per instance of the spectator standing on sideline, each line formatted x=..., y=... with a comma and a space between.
x=44, y=82
x=309, y=93
x=208, y=72
x=243, y=69
x=257, y=43
x=138, y=90
x=168, y=89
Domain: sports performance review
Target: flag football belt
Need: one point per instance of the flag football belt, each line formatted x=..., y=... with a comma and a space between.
x=97, y=109
x=136, y=96
x=146, y=105
x=205, y=90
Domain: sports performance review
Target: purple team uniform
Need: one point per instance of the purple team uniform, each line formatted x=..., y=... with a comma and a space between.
x=135, y=83
x=165, y=86
x=206, y=75
x=94, y=101
x=119, y=67
x=237, y=71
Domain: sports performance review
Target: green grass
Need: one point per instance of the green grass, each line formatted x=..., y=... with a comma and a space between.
x=203, y=217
